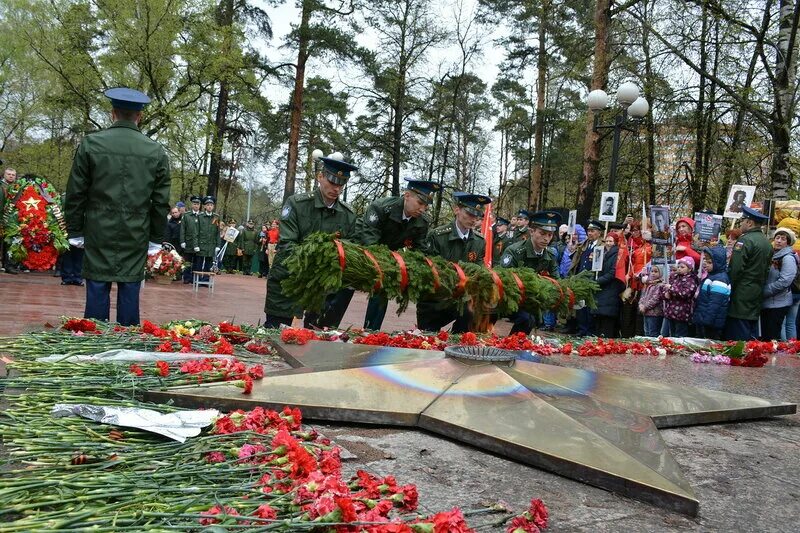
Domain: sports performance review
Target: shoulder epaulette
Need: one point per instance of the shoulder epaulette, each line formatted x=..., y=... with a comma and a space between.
x=442, y=230
x=346, y=206
x=303, y=197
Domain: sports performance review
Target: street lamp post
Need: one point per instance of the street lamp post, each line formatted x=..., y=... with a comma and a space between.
x=634, y=108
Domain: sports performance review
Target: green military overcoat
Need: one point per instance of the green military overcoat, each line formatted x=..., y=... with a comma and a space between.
x=207, y=233
x=190, y=227
x=383, y=224
x=117, y=199
x=521, y=254
x=302, y=215
x=249, y=242
x=445, y=242
x=750, y=261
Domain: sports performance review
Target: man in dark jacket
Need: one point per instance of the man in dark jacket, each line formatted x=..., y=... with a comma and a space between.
x=172, y=235
x=397, y=222
x=456, y=241
x=117, y=194
x=249, y=243
x=750, y=261
x=189, y=231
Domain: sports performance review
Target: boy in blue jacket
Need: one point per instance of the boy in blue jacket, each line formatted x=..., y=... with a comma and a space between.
x=711, y=305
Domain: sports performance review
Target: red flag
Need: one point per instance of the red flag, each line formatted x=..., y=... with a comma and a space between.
x=486, y=229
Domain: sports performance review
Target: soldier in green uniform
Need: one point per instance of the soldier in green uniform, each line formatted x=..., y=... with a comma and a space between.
x=533, y=253
x=397, y=222
x=188, y=236
x=249, y=244
x=207, y=237
x=117, y=199
x=750, y=261
x=521, y=231
x=456, y=241
x=302, y=215
x=499, y=241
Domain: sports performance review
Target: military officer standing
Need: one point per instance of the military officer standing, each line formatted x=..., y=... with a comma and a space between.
x=189, y=232
x=750, y=261
x=207, y=237
x=533, y=253
x=521, y=231
x=456, y=241
x=499, y=241
x=249, y=243
x=397, y=222
x=302, y=215
x=117, y=194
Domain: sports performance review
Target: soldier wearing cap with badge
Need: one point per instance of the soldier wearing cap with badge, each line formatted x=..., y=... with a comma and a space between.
x=396, y=222
x=749, y=267
x=499, y=240
x=533, y=253
x=456, y=241
x=207, y=237
x=302, y=215
x=581, y=261
x=189, y=231
x=521, y=231
x=117, y=194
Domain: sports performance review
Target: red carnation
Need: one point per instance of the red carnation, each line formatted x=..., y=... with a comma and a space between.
x=136, y=369
x=469, y=338
x=450, y=522
x=266, y=512
x=538, y=512
x=163, y=368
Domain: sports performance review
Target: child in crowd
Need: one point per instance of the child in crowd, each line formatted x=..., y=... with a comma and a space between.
x=651, y=302
x=679, y=297
x=711, y=307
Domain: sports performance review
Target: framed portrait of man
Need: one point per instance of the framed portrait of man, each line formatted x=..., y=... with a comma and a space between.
x=659, y=221
x=609, y=202
x=740, y=196
x=231, y=234
x=572, y=220
x=597, y=258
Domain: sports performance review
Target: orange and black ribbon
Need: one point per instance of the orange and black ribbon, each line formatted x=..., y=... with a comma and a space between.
x=558, y=286
x=462, y=280
x=498, y=283
x=379, y=282
x=403, y=271
x=520, y=286
x=435, y=273
x=340, y=250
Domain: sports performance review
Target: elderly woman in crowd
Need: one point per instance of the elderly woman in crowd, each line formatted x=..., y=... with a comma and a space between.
x=683, y=240
x=777, y=291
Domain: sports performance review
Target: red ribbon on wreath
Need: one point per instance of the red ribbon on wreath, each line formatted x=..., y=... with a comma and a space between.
x=379, y=282
x=340, y=250
x=403, y=271
x=498, y=283
x=560, y=290
x=521, y=287
x=571, y=297
x=435, y=273
x=462, y=280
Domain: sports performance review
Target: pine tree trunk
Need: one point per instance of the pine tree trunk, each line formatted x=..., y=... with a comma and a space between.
x=296, y=114
x=541, y=85
x=591, y=149
x=221, y=119
x=784, y=84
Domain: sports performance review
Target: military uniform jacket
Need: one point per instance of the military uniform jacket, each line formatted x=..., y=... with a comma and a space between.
x=522, y=254
x=190, y=227
x=519, y=235
x=750, y=261
x=383, y=224
x=207, y=233
x=302, y=215
x=249, y=241
x=117, y=196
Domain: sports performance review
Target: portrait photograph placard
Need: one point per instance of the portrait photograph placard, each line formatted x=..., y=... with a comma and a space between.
x=572, y=220
x=659, y=222
x=707, y=227
x=740, y=196
x=597, y=258
x=609, y=203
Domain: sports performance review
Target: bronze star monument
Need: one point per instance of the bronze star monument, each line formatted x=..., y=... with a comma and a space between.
x=596, y=428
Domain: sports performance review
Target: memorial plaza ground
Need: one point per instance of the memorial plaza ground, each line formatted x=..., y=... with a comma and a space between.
x=746, y=475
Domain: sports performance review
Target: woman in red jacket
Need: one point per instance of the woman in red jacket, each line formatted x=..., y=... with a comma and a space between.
x=683, y=240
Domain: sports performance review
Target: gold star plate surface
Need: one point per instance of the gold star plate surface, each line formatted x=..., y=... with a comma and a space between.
x=597, y=428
